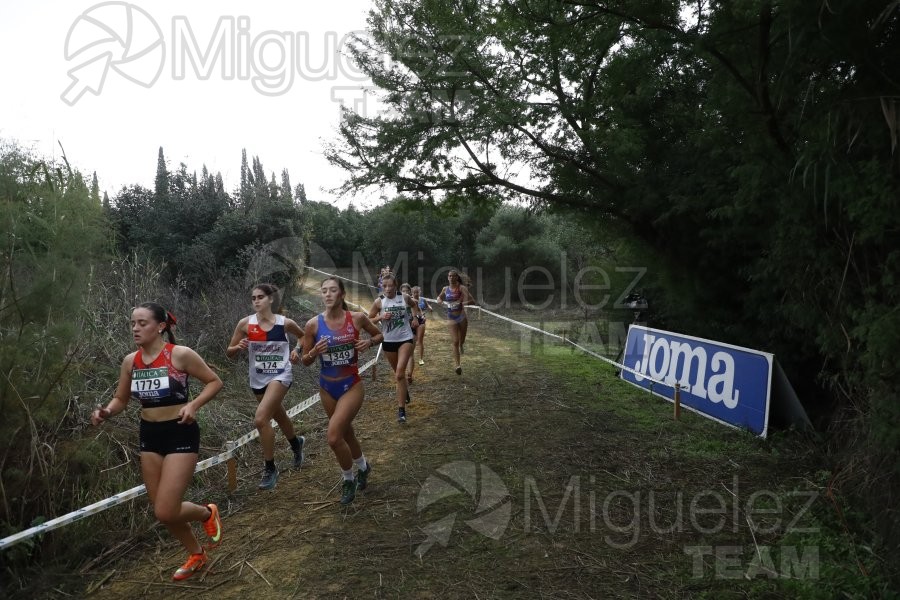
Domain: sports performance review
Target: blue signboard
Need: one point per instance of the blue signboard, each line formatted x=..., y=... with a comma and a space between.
x=725, y=383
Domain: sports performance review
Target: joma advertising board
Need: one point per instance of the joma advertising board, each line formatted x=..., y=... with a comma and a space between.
x=725, y=383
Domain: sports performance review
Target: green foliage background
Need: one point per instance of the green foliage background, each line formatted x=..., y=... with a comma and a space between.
x=744, y=155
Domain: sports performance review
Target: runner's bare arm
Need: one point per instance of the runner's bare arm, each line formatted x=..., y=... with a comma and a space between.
x=373, y=312
x=121, y=396
x=309, y=343
x=291, y=327
x=414, y=305
x=368, y=326
x=187, y=360
x=238, y=339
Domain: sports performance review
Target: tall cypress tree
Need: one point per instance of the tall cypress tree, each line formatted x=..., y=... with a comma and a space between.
x=207, y=185
x=286, y=191
x=246, y=181
x=95, y=189
x=274, y=189
x=300, y=193
x=162, y=176
x=220, y=185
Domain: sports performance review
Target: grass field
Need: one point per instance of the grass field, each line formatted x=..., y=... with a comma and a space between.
x=536, y=473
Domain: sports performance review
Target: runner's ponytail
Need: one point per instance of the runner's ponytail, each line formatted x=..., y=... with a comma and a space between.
x=161, y=315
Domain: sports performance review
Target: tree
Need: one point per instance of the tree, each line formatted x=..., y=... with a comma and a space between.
x=338, y=233
x=274, y=189
x=286, y=191
x=162, y=176
x=518, y=242
x=300, y=193
x=55, y=233
x=747, y=150
x=246, y=193
x=95, y=189
x=609, y=108
x=133, y=217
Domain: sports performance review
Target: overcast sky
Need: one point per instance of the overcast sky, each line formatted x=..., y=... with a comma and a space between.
x=202, y=79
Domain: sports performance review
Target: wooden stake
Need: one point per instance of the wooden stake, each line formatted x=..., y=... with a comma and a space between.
x=231, y=463
x=677, y=401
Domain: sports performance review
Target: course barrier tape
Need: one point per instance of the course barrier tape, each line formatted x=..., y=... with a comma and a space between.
x=81, y=513
x=369, y=285
x=134, y=492
x=568, y=341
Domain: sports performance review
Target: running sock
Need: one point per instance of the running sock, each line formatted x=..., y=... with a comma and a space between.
x=361, y=462
x=348, y=474
x=270, y=465
x=295, y=444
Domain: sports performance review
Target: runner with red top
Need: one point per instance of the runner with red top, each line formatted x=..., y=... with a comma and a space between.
x=157, y=376
x=333, y=338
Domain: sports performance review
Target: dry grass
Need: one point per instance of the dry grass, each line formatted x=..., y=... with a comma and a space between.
x=540, y=422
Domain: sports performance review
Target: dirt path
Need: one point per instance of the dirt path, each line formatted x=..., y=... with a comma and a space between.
x=486, y=465
x=296, y=541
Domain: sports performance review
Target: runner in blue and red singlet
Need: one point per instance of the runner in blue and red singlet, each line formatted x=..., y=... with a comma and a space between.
x=333, y=338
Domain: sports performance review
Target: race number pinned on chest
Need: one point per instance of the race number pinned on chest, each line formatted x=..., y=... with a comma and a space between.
x=339, y=355
x=268, y=361
x=150, y=383
x=396, y=316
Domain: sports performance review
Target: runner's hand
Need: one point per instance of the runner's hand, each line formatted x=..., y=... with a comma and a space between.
x=99, y=415
x=187, y=414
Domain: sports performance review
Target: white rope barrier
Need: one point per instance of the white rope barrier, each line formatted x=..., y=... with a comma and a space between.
x=344, y=278
x=232, y=446
x=562, y=339
x=134, y=492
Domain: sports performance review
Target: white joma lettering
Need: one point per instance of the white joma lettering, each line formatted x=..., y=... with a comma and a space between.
x=671, y=361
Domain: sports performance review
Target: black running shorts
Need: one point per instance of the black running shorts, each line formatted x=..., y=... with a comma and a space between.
x=168, y=437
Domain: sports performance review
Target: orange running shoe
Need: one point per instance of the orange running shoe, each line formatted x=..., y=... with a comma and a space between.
x=213, y=526
x=194, y=563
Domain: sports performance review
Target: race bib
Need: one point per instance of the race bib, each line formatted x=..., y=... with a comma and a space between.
x=150, y=383
x=268, y=364
x=339, y=355
x=396, y=316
